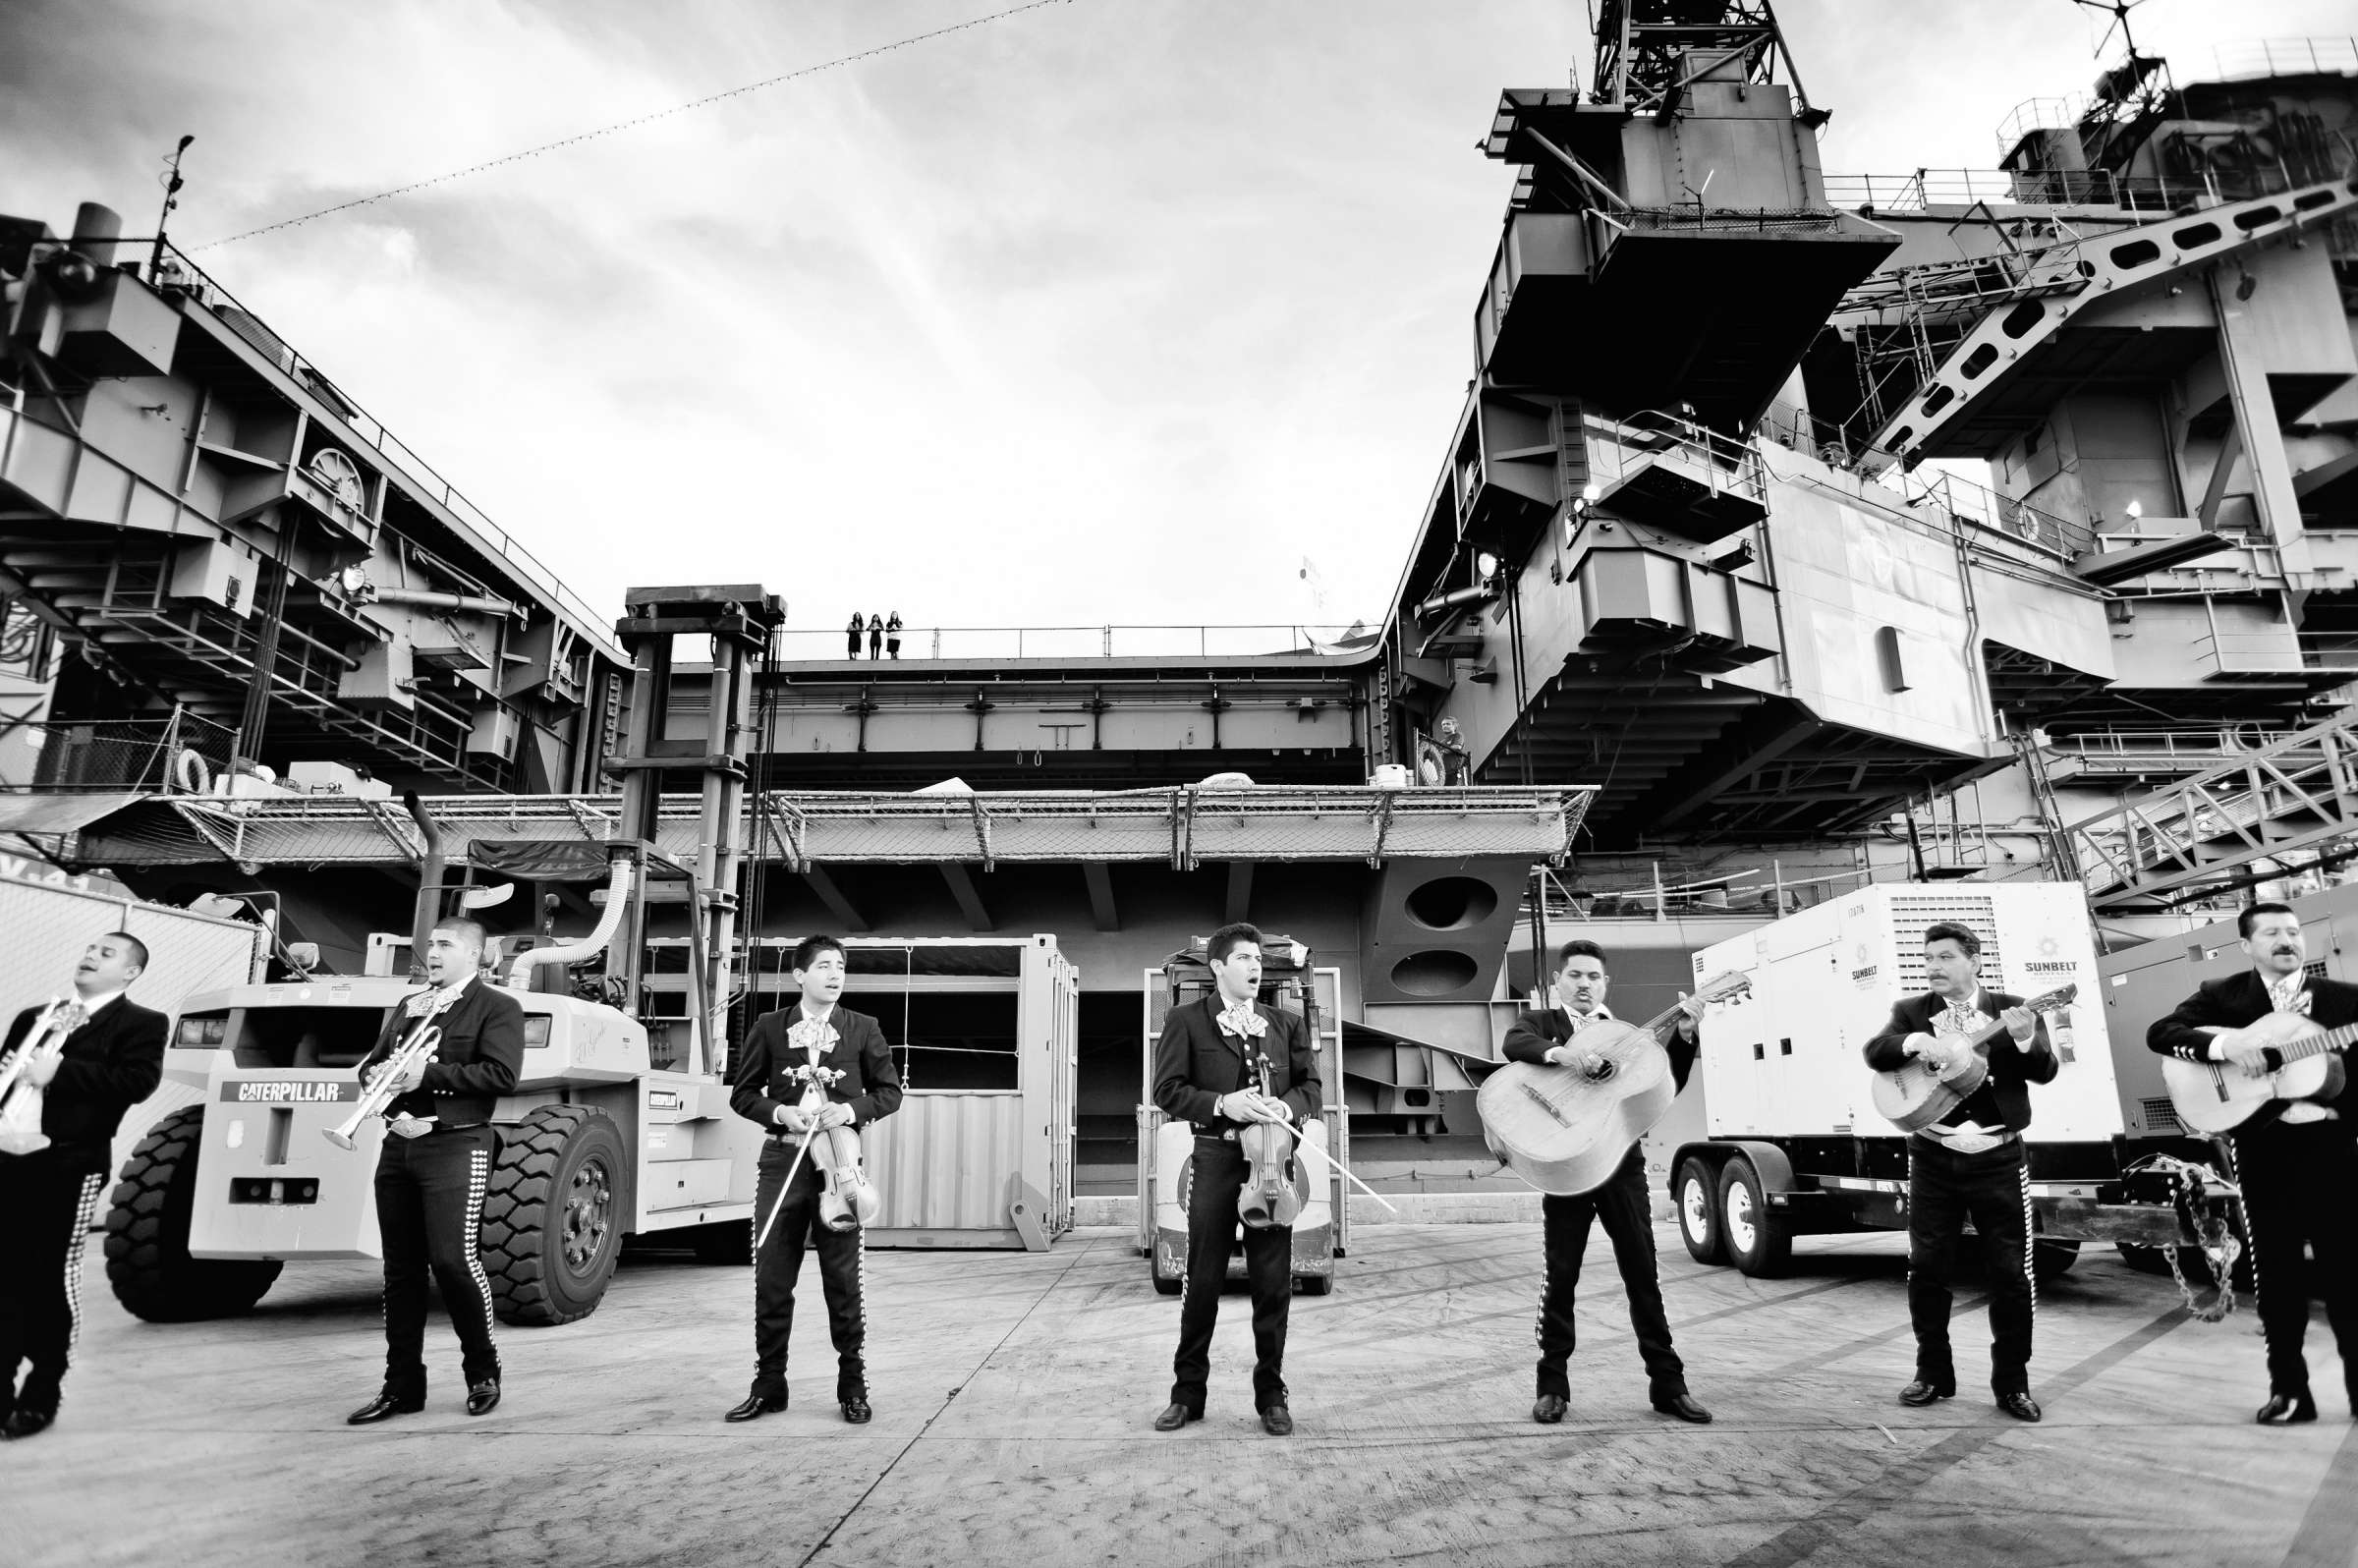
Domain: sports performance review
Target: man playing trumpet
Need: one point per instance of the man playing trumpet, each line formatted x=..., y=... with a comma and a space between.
x=92, y=1057
x=435, y=1165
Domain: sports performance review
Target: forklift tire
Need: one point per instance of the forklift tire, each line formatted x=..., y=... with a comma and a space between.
x=2051, y=1260
x=147, y=1261
x=1167, y=1287
x=1314, y=1284
x=553, y=1218
x=1697, y=1198
x=1756, y=1238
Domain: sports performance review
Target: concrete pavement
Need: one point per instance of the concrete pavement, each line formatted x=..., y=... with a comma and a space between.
x=1013, y=1393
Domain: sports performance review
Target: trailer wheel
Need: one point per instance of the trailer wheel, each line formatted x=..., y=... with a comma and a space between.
x=147, y=1261
x=1699, y=1223
x=553, y=1218
x=2051, y=1260
x=1756, y=1238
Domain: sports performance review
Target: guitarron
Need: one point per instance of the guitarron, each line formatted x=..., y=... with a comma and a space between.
x=1914, y=1097
x=1565, y=1129
x=2219, y=1097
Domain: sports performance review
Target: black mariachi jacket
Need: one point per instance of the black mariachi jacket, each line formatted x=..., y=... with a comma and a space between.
x=2004, y=1097
x=1534, y=1032
x=2241, y=999
x=110, y=1064
x=479, y=1059
x=765, y=1082
x=1195, y=1063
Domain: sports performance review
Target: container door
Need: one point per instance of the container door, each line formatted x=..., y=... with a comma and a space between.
x=1328, y=1021
x=1155, y=993
x=1064, y=1054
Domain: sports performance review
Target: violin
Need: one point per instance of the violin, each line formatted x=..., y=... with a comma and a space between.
x=1270, y=1197
x=849, y=1199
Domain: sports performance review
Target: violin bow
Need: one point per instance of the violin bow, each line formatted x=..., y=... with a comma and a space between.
x=1307, y=1148
x=800, y=1151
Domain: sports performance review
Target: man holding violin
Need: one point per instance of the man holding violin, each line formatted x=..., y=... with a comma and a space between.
x=1551, y=1035
x=814, y=1043
x=1208, y=1068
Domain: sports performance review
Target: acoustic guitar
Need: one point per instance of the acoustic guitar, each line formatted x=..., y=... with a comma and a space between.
x=1567, y=1128
x=1914, y=1097
x=2219, y=1097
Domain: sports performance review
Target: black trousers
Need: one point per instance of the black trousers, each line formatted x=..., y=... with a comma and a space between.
x=1992, y=1189
x=2299, y=1182
x=1212, y=1223
x=842, y=1274
x=430, y=1206
x=1621, y=1204
x=46, y=1205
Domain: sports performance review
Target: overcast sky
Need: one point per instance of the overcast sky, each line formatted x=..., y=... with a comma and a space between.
x=1114, y=311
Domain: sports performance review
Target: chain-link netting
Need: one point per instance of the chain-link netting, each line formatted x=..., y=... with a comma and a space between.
x=181, y=752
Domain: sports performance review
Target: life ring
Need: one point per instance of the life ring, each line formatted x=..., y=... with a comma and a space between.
x=190, y=763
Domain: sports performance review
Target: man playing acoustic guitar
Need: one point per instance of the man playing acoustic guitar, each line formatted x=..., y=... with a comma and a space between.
x=1551, y=1035
x=2299, y=1168
x=1970, y=1166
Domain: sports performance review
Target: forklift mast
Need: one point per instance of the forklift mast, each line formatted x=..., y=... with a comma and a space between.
x=739, y=619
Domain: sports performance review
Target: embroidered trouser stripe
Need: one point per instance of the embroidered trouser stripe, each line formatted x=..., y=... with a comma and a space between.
x=84, y=1212
x=45, y=1212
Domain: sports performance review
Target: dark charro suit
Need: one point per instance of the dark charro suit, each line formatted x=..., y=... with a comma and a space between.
x=49, y=1198
x=1196, y=1062
x=1622, y=1204
x=2297, y=1179
x=430, y=1188
x=1992, y=1188
x=764, y=1085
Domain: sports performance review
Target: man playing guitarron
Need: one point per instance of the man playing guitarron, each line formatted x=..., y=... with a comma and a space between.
x=2299, y=1168
x=1551, y=1035
x=1969, y=1167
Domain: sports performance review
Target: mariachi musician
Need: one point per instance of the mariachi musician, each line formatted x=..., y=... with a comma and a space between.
x=836, y=1061
x=435, y=1165
x=94, y=1058
x=1552, y=1036
x=1970, y=1166
x=1208, y=1068
x=2299, y=1169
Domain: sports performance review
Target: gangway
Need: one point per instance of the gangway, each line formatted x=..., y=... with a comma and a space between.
x=2298, y=790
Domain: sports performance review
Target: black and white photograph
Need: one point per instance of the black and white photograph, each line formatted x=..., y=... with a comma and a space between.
x=1468, y=783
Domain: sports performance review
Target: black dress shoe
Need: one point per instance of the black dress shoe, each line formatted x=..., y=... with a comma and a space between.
x=757, y=1405
x=1921, y=1392
x=483, y=1398
x=1685, y=1409
x=1277, y=1421
x=1551, y=1409
x=1176, y=1417
x=385, y=1404
x=2281, y=1410
x=27, y=1419
x=2022, y=1406
x=855, y=1411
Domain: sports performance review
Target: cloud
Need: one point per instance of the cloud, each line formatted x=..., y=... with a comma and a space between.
x=1109, y=312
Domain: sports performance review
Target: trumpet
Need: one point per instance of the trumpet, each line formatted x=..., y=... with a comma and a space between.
x=37, y=1039
x=420, y=1047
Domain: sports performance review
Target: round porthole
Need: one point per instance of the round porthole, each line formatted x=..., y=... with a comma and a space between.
x=1436, y=972
x=1452, y=903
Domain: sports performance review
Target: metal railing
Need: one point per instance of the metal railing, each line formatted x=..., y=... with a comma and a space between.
x=2276, y=652
x=1925, y=188
x=1623, y=446
x=2207, y=747
x=2256, y=58
x=133, y=754
x=970, y=642
x=173, y=271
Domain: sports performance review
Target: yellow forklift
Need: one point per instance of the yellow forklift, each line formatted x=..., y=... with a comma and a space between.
x=619, y=1124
